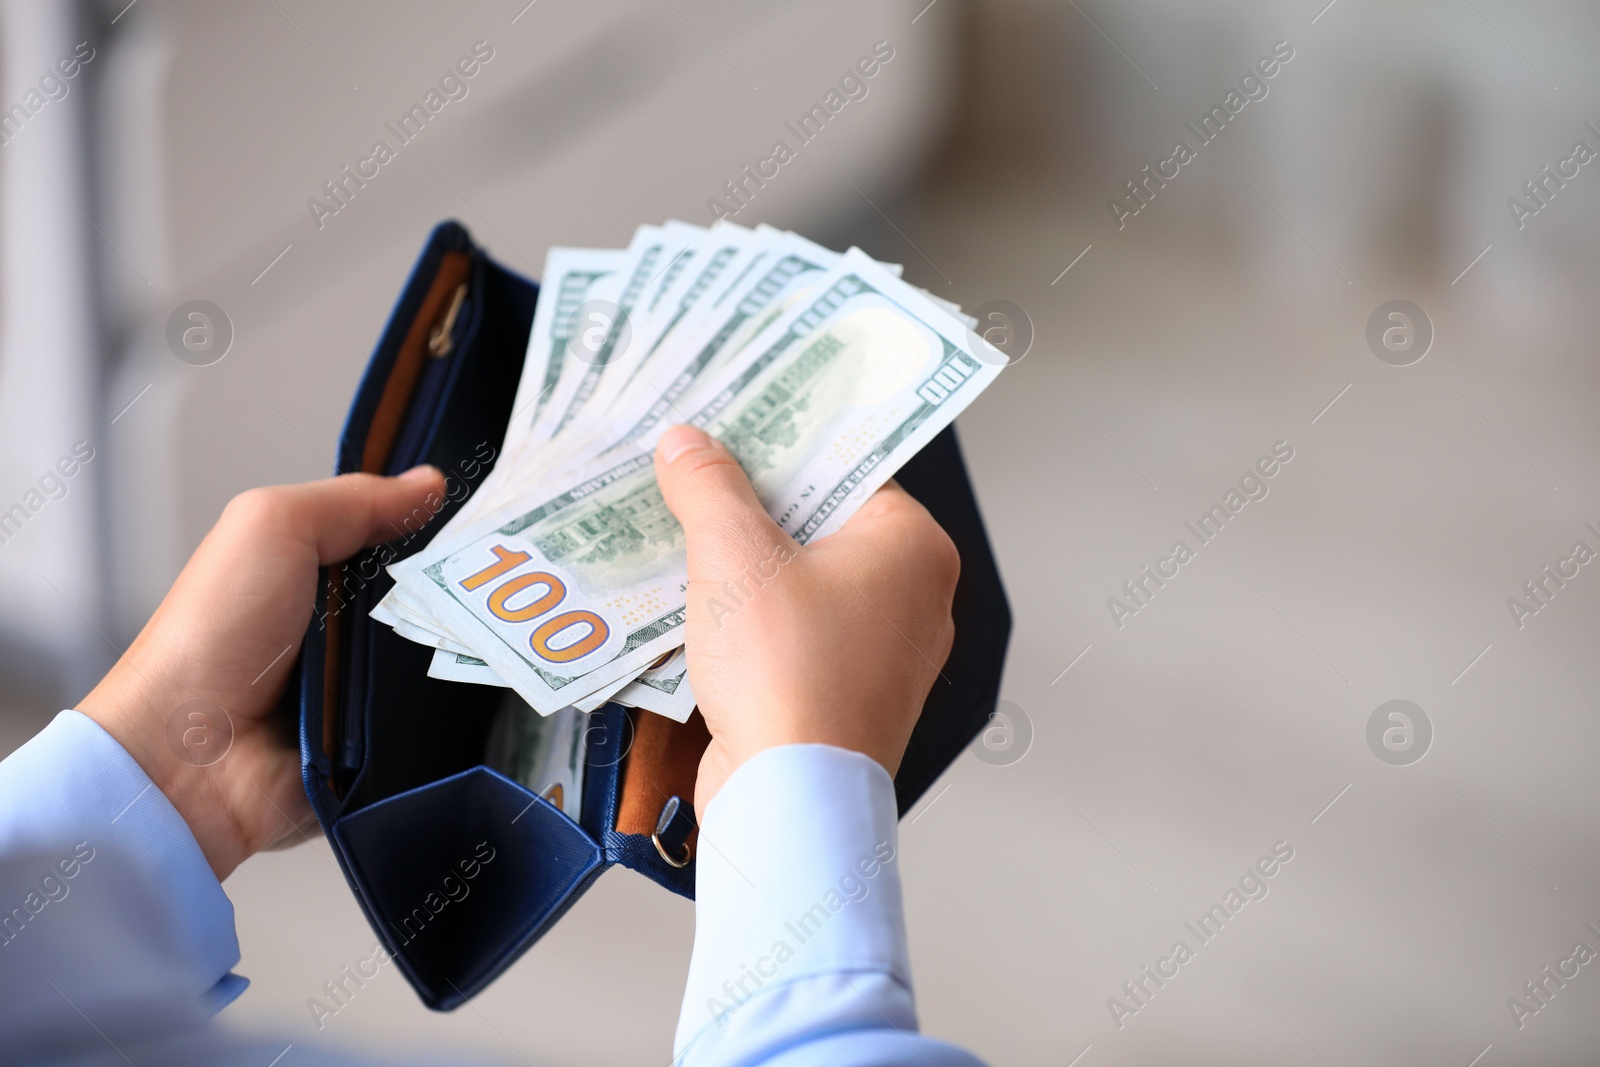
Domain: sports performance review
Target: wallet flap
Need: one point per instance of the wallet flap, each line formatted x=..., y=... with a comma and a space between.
x=462, y=875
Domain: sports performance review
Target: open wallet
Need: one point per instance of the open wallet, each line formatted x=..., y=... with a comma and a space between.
x=459, y=866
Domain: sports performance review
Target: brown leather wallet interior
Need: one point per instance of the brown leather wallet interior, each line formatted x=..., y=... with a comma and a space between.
x=663, y=762
x=396, y=399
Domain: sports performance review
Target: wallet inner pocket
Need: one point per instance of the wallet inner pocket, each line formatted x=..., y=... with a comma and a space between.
x=447, y=403
x=418, y=729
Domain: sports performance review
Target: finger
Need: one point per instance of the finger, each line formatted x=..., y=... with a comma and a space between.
x=890, y=501
x=340, y=516
x=710, y=495
x=887, y=513
x=893, y=524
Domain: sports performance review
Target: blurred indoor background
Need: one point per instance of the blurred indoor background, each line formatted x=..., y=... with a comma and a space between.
x=1153, y=756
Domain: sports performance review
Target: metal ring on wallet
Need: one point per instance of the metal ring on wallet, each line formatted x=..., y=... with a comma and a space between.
x=655, y=839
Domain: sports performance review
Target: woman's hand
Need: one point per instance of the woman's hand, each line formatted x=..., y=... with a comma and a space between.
x=226, y=637
x=837, y=643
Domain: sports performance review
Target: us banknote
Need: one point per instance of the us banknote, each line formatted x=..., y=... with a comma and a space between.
x=575, y=581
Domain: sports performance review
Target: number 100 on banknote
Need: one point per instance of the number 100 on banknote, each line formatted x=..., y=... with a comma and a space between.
x=519, y=594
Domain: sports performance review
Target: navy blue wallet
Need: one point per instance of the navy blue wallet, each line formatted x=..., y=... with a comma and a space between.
x=459, y=868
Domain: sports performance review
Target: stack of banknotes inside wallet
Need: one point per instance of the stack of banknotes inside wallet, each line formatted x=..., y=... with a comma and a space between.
x=562, y=578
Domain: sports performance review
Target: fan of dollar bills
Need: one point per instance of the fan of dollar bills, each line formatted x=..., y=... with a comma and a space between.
x=563, y=576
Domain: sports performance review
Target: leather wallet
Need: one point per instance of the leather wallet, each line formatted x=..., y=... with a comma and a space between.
x=459, y=868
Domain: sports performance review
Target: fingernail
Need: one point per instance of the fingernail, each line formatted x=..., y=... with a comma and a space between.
x=424, y=472
x=678, y=440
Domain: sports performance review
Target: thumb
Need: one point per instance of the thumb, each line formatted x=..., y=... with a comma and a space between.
x=339, y=516
x=711, y=496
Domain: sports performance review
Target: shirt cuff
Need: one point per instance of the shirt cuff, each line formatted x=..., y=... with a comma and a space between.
x=73, y=789
x=797, y=900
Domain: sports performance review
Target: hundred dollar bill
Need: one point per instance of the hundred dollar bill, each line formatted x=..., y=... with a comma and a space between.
x=545, y=754
x=583, y=583
x=726, y=254
x=428, y=634
x=620, y=391
x=457, y=666
x=717, y=254
x=732, y=321
x=603, y=350
x=570, y=274
x=664, y=690
x=674, y=274
x=462, y=667
x=603, y=324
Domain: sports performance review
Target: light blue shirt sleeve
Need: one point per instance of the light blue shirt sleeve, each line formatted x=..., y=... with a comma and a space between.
x=799, y=957
x=116, y=940
x=800, y=944
x=73, y=790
